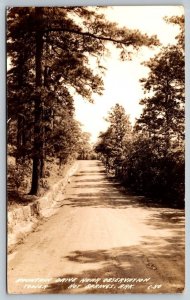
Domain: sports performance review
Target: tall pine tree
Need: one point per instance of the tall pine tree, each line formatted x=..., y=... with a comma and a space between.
x=50, y=47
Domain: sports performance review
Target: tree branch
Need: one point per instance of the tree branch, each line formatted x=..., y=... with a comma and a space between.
x=88, y=34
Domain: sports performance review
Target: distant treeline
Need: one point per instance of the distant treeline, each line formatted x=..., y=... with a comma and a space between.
x=149, y=158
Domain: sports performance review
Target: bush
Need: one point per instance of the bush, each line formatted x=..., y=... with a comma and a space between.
x=150, y=173
x=18, y=174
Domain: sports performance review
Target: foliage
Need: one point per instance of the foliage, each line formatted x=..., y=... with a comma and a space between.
x=164, y=107
x=113, y=142
x=18, y=173
x=150, y=173
x=152, y=163
x=49, y=49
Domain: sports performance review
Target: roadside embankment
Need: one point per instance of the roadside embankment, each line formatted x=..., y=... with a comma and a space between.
x=24, y=219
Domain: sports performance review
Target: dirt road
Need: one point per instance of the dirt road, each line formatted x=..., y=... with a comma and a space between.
x=101, y=241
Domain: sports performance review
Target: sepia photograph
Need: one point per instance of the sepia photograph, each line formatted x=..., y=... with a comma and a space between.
x=95, y=150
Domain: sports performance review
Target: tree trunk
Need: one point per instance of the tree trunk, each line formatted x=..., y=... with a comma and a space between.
x=42, y=167
x=38, y=142
x=168, y=124
x=36, y=169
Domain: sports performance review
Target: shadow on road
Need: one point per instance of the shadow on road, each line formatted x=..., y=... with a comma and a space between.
x=114, y=260
x=100, y=200
x=159, y=257
x=109, y=195
x=107, y=187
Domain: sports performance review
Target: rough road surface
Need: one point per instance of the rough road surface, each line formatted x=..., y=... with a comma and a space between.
x=101, y=241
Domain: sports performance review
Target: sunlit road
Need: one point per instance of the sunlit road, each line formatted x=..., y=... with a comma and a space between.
x=100, y=232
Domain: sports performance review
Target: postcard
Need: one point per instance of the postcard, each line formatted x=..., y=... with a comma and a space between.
x=95, y=150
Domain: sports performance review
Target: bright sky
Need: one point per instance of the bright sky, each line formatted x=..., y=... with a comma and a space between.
x=121, y=81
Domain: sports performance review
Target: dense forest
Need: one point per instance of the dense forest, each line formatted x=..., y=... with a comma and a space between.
x=149, y=157
x=49, y=50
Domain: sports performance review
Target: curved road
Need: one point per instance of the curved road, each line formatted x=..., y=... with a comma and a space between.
x=101, y=241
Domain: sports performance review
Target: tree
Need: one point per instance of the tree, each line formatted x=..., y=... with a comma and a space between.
x=180, y=21
x=151, y=163
x=85, y=148
x=104, y=147
x=62, y=141
x=163, y=114
x=114, y=141
x=161, y=125
x=53, y=45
